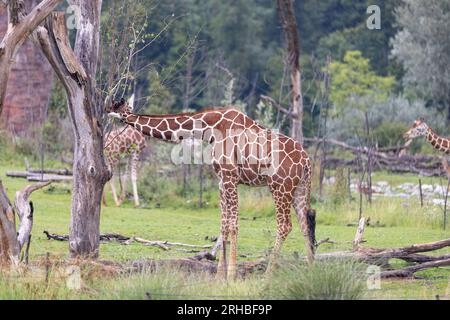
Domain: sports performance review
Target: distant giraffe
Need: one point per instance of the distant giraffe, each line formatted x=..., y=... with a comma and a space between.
x=124, y=142
x=421, y=129
x=243, y=152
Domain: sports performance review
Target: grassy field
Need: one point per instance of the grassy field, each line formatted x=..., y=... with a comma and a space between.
x=399, y=224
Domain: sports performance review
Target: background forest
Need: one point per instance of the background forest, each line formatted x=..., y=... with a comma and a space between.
x=188, y=55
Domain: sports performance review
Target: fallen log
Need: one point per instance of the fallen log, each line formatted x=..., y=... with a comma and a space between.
x=16, y=174
x=411, y=270
x=49, y=177
x=60, y=172
x=31, y=176
x=103, y=237
x=421, y=258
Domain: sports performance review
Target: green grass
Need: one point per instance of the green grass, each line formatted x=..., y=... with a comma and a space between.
x=401, y=225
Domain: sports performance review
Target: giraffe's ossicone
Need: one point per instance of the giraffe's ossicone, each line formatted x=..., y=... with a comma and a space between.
x=241, y=152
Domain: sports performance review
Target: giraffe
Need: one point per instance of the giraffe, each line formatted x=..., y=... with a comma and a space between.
x=119, y=142
x=241, y=152
x=419, y=129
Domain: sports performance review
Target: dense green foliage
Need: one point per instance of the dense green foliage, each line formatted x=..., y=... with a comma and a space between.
x=197, y=48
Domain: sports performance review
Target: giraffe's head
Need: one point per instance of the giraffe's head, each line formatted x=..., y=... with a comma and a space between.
x=418, y=129
x=120, y=109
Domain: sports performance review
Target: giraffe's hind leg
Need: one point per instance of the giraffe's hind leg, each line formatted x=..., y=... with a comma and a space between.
x=283, y=203
x=222, y=266
x=113, y=190
x=229, y=227
x=134, y=162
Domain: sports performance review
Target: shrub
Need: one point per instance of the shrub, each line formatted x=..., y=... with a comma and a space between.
x=325, y=280
x=389, y=134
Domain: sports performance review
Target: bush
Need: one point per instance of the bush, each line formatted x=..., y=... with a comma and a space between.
x=324, y=280
x=389, y=134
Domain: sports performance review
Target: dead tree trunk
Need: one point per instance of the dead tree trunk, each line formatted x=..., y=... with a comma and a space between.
x=20, y=25
x=77, y=71
x=288, y=20
x=11, y=241
x=186, y=102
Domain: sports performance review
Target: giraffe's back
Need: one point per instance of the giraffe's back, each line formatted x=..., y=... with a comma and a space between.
x=258, y=156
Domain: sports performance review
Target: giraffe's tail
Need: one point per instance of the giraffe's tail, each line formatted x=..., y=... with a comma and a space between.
x=311, y=221
x=310, y=213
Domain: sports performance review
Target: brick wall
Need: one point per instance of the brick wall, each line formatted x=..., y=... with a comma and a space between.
x=29, y=87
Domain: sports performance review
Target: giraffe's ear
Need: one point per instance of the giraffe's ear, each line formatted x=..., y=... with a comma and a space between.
x=122, y=101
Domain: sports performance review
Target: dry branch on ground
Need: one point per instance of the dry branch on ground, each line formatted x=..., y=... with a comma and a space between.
x=105, y=237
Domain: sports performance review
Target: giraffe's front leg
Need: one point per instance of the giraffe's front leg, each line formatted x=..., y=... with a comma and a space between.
x=233, y=230
x=222, y=266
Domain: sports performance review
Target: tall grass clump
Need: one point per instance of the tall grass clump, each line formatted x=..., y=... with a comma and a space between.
x=330, y=279
x=34, y=287
x=168, y=283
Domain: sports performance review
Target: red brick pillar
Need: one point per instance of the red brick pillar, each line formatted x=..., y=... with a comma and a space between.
x=29, y=87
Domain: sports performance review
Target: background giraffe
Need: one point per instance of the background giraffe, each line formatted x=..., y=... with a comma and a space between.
x=243, y=152
x=421, y=129
x=129, y=143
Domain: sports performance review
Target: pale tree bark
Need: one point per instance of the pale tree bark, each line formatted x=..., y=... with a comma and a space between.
x=20, y=25
x=288, y=20
x=77, y=69
x=11, y=241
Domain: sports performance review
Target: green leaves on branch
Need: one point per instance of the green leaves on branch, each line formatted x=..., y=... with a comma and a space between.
x=354, y=84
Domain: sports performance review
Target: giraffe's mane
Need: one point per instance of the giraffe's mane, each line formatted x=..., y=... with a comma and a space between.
x=187, y=114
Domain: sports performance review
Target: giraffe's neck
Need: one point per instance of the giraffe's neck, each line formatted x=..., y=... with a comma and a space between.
x=439, y=143
x=172, y=128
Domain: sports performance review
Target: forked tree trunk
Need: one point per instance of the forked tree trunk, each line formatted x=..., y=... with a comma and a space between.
x=13, y=240
x=288, y=20
x=90, y=171
x=77, y=72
